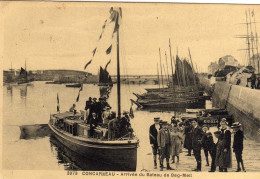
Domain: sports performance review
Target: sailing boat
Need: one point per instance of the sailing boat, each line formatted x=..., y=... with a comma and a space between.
x=23, y=77
x=184, y=92
x=70, y=130
x=104, y=78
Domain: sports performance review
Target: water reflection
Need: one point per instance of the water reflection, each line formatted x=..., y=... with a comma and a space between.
x=23, y=91
x=73, y=161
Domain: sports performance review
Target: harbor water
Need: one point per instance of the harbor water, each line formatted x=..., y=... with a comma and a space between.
x=31, y=106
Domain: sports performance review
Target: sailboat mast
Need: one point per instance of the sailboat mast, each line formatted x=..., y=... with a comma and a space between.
x=248, y=41
x=158, y=76
x=118, y=78
x=161, y=66
x=167, y=67
x=171, y=60
x=252, y=38
x=256, y=41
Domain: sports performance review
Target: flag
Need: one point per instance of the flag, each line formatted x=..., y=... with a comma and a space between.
x=107, y=64
x=100, y=36
x=77, y=100
x=131, y=112
x=81, y=87
x=58, y=103
x=94, y=51
x=87, y=64
x=104, y=26
x=113, y=14
x=109, y=50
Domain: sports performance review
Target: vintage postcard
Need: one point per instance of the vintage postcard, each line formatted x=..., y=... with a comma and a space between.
x=102, y=89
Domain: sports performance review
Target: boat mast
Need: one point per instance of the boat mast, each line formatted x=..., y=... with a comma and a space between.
x=167, y=81
x=158, y=77
x=256, y=41
x=248, y=42
x=193, y=70
x=161, y=66
x=118, y=75
x=167, y=67
x=252, y=38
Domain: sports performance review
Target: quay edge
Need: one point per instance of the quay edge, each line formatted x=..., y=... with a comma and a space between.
x=241, y=102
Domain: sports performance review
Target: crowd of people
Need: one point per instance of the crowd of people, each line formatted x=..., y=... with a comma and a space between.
x=167, y=141
x=98, y=113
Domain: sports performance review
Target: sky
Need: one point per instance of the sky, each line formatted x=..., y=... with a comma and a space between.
x=56, y=35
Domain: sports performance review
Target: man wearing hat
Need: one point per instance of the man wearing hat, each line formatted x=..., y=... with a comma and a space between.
x=223, y=153
x=238, y=145
x=163, y=140
x=153, y=132
x=197, y=137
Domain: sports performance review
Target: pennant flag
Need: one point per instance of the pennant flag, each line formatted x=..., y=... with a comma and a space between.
x=131, y=113
x=113, y=15
x=87, y=64
x=109, y=50
x=94, y=51
x=81, y=87
x=116, y=26
x=77, y=100
x=107, y=64
x=104, y=26
x=100, y=36
x=58, y=103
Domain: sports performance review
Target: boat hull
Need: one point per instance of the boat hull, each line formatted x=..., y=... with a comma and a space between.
x=122, y=156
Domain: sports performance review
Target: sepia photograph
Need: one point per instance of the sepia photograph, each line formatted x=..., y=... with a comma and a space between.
x=150, y=88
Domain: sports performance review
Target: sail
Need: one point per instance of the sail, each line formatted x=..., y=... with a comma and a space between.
x=104, y=77
x=23, y=74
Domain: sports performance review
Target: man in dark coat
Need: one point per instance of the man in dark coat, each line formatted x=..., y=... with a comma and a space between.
x=188, y=140
x=238, y=145
x=153, y=132
x=163, y=140
x=87, y=109
x=197, y=137
x=253, y=79
x=209, y=147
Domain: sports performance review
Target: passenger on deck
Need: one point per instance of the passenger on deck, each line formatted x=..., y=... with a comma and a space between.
x=91, y=109
x=99, y=109
x=125, y=126
x=93, y=123
x=105, y=115
x=94, y=120
x=87, y=108
x=73, y=108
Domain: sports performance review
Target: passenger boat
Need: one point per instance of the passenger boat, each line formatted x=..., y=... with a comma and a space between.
x=73, y=132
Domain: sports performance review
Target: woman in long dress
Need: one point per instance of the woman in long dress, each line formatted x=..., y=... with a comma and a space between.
x=223, y=153
x=176, y=139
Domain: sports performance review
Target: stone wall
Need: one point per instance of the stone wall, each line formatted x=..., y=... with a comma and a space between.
x=241, y=102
